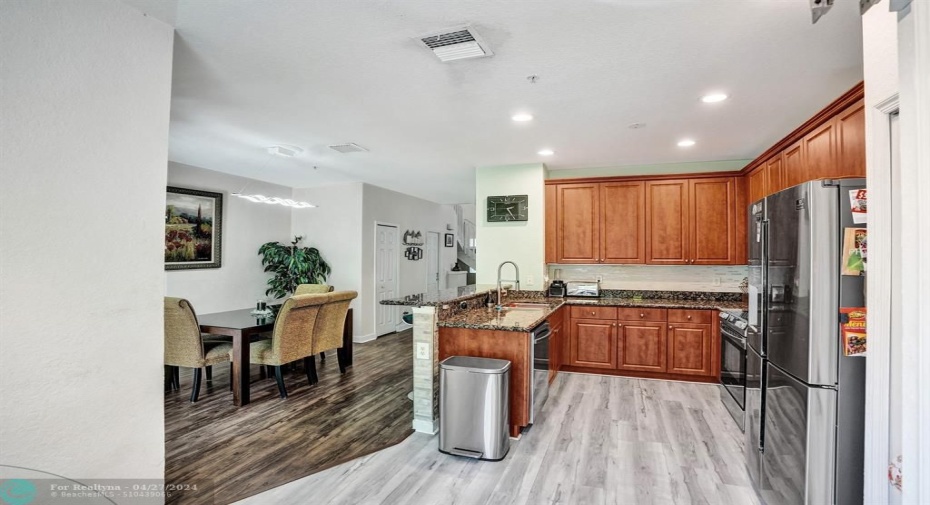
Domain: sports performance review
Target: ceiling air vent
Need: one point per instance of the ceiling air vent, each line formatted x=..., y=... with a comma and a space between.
x=348, y=148
x=456, y=44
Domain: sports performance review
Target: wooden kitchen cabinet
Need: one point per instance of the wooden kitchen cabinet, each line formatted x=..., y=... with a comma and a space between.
x=712, y=220
x=594, y=343
x=658, y=343
x=578, y=219
x=641, y=346
x=498, y=344
x=820, y=151
x=667, y=222
x=593, y=312
x=757, y=184
x=850, y=142
x=830, y=145
x=695, y=221
x=793, y=163
x=597, y=223
x=623, y=222
x=690, y=348
x=775, y=174
x=692, y=222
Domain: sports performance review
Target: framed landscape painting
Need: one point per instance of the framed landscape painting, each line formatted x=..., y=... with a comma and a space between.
x=193, y=229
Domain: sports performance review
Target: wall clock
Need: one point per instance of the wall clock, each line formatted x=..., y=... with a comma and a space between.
x=507, y=208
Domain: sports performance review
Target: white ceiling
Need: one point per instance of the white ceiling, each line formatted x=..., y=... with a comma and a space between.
x=254, y=73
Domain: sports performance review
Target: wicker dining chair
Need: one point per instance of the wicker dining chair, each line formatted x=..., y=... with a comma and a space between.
x=329, y=327
x=292, y=337
x=184, y=345
x=307, y=289
x=312, y=289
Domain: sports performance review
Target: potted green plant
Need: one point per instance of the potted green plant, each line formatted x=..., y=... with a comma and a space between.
x=291, y=265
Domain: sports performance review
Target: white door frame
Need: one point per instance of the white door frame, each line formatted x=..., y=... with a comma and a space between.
x=374, y=261
x=882, y=254
x=914, y=123
x=439, y=246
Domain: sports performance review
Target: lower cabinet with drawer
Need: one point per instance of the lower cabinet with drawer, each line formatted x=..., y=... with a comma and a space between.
x=642, y=346
x=643, y=342
x=594, y=343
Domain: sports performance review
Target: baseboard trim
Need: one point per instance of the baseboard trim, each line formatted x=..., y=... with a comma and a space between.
x=361, y=339
x=429, y=427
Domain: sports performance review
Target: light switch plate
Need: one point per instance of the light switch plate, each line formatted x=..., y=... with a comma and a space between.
x=422, y=350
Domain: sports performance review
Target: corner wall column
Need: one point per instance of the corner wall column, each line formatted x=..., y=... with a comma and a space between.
x=426, y=371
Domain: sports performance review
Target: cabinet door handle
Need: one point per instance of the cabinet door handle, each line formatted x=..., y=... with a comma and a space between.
x=641, y=315
x=593, y=313
x=689, y=317
x=671, y=327
x=619, y=325
x=615, y=325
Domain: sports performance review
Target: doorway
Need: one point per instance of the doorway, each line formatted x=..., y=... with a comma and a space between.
x=432, y=262
x=386, y=259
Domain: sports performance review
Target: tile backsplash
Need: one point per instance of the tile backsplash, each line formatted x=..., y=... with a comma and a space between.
x=655, y=277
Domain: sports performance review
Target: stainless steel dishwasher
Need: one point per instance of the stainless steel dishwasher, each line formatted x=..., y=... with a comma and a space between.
x=539, y=385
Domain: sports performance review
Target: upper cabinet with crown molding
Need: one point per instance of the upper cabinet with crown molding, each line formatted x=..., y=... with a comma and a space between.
x=659, y=221
x=832, y=148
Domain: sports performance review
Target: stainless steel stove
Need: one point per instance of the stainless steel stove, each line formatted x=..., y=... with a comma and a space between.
x=733, y=325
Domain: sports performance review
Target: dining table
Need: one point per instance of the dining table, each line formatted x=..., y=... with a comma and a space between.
x=243, y=326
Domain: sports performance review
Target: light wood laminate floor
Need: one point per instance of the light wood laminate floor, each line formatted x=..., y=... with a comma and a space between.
x=599, y=440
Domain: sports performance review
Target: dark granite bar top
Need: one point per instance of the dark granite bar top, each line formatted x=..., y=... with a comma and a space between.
x=441, y=297
x=534, y=307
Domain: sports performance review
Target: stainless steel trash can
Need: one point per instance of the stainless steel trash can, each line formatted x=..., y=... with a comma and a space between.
x=474, y=407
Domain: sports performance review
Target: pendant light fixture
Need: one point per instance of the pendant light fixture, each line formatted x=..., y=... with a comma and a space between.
x=284, y=151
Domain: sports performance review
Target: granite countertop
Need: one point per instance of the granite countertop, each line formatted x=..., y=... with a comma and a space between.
x=525, y=318
x=521, y=319
x=441, y=297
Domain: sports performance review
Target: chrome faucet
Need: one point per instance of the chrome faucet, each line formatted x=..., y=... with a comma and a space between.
x=516, y=270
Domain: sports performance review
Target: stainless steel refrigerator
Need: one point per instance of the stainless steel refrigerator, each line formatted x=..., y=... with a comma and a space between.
x=805, y=400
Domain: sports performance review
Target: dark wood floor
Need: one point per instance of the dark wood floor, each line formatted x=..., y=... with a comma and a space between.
x=243, y=451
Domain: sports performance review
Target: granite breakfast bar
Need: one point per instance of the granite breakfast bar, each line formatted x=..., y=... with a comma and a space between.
x=457, y=310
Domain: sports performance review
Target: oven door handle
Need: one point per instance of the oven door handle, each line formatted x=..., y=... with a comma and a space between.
x=738, y=341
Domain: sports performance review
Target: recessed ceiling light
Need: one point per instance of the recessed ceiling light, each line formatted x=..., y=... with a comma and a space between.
x=522, y=118
x=545, y=152
x=714, y=97
x=686, y=143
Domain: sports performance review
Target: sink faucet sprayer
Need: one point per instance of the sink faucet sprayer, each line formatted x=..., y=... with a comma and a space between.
x=499, y=280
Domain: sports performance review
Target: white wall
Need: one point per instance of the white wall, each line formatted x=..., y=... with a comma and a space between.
x=522, y=242
x=408, y=213
x=721, y=279
x=335, y=228
x=85, y=98
x=240, y=281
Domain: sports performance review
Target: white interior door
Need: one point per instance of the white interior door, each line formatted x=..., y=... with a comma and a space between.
x=432, y=261
x=386, y=258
